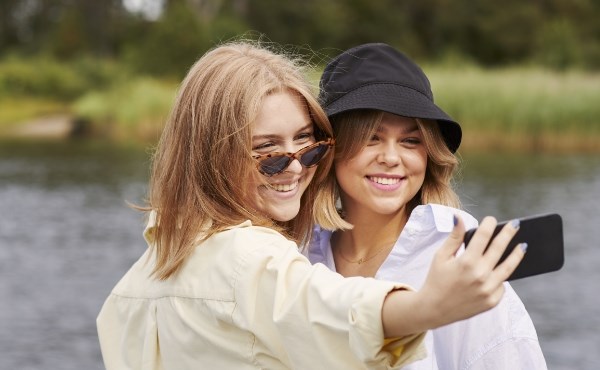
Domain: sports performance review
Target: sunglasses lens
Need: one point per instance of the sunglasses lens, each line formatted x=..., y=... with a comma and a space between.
x=273, y=165
x=313, y=156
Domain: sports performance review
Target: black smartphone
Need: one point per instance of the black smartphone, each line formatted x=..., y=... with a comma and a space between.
x=545, y=245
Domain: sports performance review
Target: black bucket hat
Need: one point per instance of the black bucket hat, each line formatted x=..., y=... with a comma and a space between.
x=377, y=76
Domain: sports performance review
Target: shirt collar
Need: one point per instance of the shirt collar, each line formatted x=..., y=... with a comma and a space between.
x=428, y=216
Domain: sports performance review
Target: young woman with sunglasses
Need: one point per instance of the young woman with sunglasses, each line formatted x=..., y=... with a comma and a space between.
x=237, y=182
x=394, y=161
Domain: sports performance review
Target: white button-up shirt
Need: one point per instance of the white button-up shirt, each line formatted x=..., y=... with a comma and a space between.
x=248, y=299
x=502, y=338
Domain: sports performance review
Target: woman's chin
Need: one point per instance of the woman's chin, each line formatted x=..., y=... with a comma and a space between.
x=284, y=214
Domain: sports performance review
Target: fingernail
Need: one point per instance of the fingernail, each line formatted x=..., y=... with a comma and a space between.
x=523, y=247
x=515, y=224
x=455, y=220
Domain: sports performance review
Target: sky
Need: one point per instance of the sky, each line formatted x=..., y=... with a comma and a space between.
x=150, y=9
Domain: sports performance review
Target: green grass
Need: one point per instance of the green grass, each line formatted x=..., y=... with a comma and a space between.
x=521, y=107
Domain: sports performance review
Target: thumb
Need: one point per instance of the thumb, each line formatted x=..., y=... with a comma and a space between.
x=455, y=240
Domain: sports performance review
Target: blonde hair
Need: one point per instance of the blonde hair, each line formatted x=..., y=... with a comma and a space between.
x=354, y=129
x=203, y=159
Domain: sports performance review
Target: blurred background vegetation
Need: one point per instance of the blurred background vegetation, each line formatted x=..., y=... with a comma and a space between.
x=517, y=74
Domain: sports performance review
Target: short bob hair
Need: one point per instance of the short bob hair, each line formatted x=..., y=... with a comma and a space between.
x=354, y=129
x=203, y=159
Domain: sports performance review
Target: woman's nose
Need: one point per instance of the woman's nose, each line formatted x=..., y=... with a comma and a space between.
x=389, y=154
x=295, y=166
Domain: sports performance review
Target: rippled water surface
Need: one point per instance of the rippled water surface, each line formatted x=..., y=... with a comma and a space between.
x=67, y=236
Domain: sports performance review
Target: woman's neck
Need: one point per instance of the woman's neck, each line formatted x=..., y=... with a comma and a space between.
x=362, y=250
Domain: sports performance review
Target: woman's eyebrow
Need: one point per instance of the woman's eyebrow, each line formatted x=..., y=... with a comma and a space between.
x=411, y=129
x=265, y=137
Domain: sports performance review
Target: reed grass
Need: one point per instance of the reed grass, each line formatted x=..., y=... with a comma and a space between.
x=521, y=108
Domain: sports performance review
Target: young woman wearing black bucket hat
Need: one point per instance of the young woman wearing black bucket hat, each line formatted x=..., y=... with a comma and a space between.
x=394, y=162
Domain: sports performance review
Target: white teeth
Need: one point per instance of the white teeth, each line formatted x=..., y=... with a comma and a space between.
x=284, y=187
x=385, y=180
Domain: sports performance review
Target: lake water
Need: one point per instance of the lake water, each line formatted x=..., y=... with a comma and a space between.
x=67, y=236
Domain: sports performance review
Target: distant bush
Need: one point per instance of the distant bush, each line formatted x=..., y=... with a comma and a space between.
x=132, y=109
x=48, y=78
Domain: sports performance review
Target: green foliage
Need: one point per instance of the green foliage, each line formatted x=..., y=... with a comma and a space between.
x=172, y=44
x=39, y=78
x=489, y=33
x=556, y=48
x=69, y=38
x=135, y=108
x=49, y=78
x=556, y=33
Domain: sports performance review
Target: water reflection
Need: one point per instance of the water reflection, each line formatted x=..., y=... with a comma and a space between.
x=66, y=236
x=563, y=305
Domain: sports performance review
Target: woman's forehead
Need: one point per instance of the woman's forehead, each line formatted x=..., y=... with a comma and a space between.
x=281, y=114
x=393, y=122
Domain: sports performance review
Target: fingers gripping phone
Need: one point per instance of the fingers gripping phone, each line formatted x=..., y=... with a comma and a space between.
x=544, y=237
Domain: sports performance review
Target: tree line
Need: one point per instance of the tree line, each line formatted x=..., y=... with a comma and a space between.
x=558, y=34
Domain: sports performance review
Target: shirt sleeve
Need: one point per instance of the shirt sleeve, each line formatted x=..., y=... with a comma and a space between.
x=308, y=314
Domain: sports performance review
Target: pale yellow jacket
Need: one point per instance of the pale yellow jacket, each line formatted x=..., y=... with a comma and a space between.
x=247, y=299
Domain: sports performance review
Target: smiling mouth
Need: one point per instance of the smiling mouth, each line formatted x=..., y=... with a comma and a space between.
x=282, y=188
x=384, y=180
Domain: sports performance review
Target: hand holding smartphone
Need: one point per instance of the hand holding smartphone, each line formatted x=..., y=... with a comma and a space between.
x=544, y=237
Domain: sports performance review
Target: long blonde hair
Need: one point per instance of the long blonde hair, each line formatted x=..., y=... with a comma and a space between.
x=203, y=159
x=354, y=129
